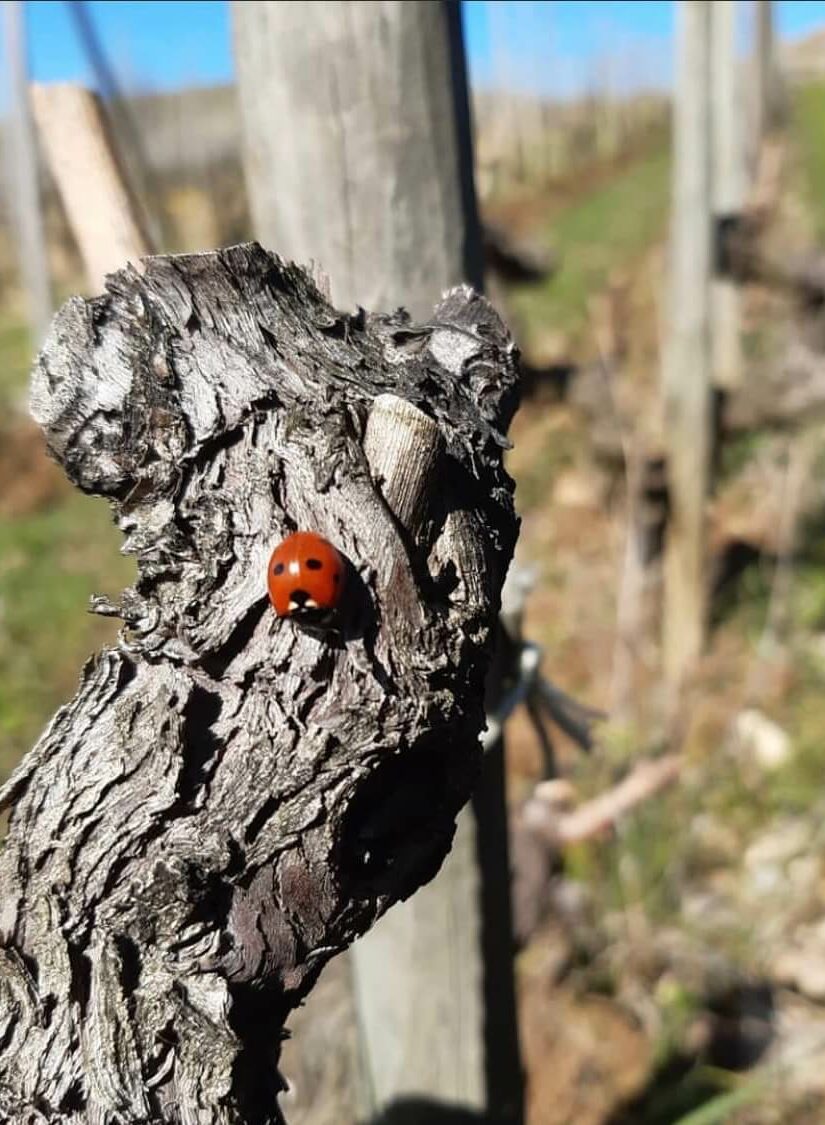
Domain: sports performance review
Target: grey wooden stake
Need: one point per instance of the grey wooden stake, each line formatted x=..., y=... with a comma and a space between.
x=728, y=149
x=359, y=156
x=766, y=90
x=358, y=144
x=229, y=800
x=687, y=359
x=29, y=225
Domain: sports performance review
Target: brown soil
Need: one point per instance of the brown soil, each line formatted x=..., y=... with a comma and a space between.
x=28, y=479
x=584, y=1056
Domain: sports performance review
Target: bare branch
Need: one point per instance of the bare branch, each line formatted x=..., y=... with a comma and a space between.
x=561, y=828
x=228, y=801
x=404, y=448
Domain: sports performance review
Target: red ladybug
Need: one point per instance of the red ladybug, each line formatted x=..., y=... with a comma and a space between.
x=306, y=578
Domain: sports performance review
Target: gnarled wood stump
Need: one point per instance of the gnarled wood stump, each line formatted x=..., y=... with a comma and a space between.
x=229, y=801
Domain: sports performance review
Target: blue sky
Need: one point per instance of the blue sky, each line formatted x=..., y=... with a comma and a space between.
x=556, y=46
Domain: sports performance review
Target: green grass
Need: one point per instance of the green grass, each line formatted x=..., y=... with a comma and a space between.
x=51, y=560
x=608, y=227
x=641, y=866
x=736, y=452
x=809, y=132
x=556, y=452
x=15, y=361
x=719, y=1109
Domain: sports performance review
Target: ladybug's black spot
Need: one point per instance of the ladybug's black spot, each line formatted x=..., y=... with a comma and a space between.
x=336, y=577
x=314, y=564
x=278, y=568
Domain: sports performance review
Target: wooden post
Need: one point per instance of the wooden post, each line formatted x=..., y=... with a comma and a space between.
x=30, y=228
x=358, y=147
x=728, y=184
x=101, y=211
x=765, y=75
x=687, y=360
x=134, y=166
x=359, y=156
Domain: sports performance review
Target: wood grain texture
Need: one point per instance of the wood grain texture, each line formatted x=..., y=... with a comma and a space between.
x=228, y=801
x=358, y=148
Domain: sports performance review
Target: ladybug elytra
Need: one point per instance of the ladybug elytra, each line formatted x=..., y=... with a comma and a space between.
x=306, y=577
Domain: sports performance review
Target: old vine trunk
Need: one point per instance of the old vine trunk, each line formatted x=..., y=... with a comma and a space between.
x=228, y=801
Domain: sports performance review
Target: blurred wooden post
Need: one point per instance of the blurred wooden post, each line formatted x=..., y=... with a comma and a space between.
x=135, y=168
x=687, y=360
x=30, y=227
x=728, y=176
x=102, y=214
x=358, y=147
x=765, y=76
x=359, y=156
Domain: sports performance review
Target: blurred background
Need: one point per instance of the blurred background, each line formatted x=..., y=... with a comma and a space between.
x=651, y=183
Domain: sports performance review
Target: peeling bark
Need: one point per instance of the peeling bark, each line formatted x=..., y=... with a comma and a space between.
x=229, y=801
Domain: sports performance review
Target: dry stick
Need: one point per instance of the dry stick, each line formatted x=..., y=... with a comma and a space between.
x=593, y=817
x=632, y=567
x=228, y=801
x=102, y=212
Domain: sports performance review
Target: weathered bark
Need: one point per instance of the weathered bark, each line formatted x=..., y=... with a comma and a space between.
x=228, y=801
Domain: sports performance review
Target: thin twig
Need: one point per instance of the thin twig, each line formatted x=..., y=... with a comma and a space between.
x=629, y=594
x=594, y=817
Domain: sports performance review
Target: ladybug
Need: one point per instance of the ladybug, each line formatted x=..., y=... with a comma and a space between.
x=306, y=578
